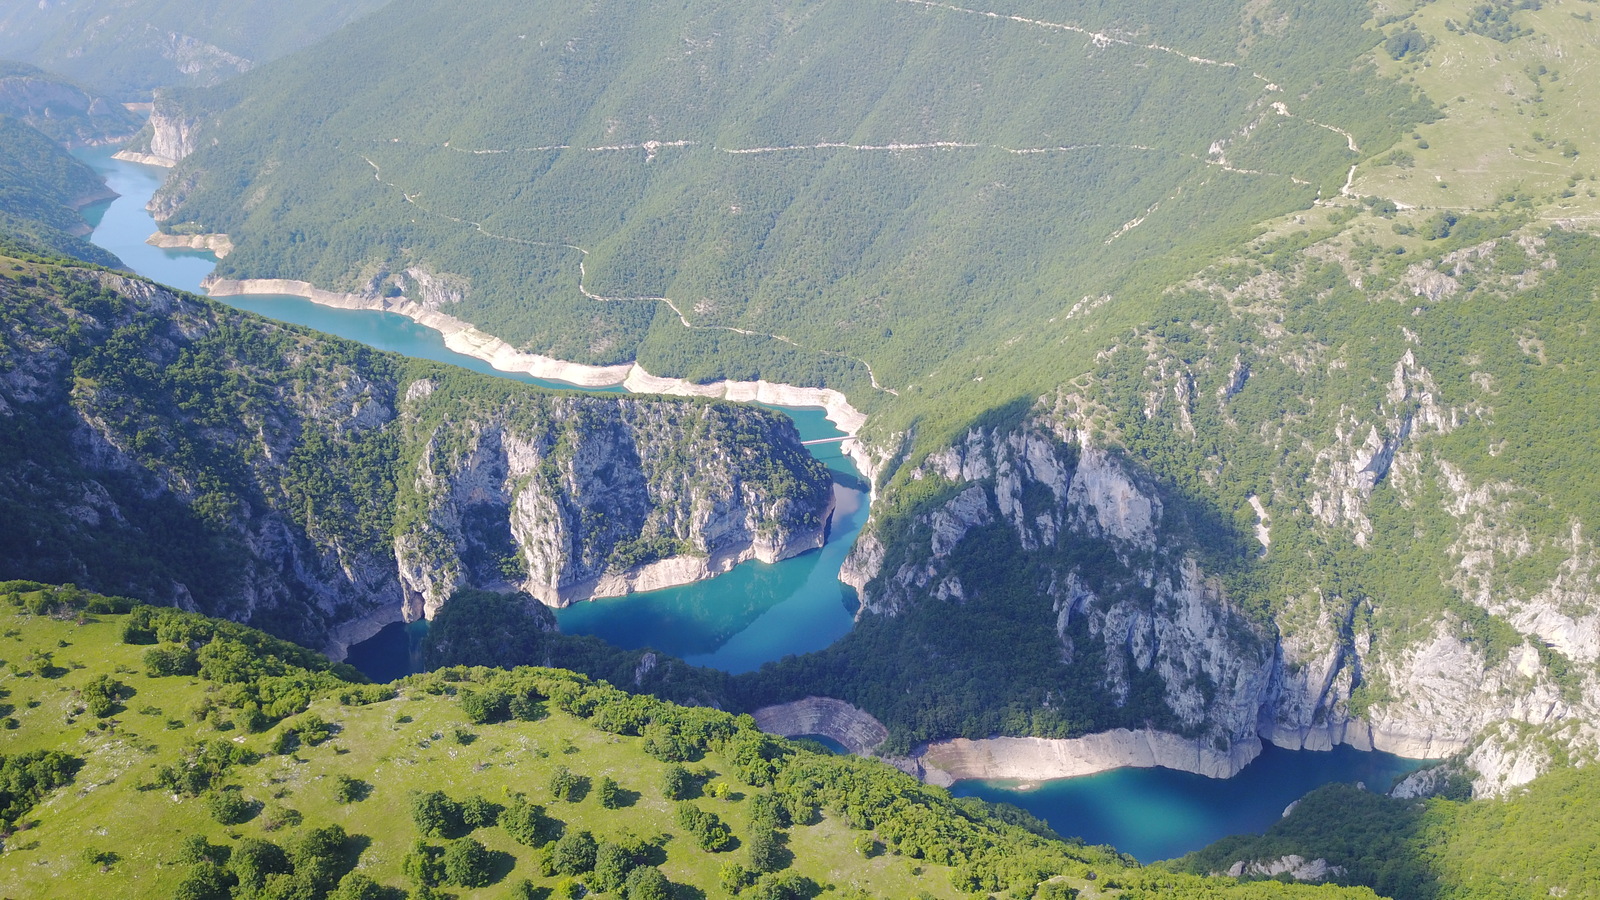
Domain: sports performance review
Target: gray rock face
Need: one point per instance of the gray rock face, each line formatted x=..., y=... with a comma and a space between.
x=1317, y=675
x=581, y=497
x=321, y=490
x=1052, y=490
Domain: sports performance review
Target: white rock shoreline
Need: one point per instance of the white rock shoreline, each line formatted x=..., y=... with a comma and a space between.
x=219, y=244
x=464, y=338
x=1029, y=760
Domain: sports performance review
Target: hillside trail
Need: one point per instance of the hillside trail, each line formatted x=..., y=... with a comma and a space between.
x=1098, y=39
x=412, y=198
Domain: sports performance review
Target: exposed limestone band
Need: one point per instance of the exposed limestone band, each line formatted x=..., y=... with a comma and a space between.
x=219, y=244
x=464, y=338
x=146, y=159
x=1042, y=759
x=1031, y=759
x=853, y=728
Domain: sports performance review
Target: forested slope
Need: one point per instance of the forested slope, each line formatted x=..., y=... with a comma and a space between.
x=42, y=187
x=163, y=446
x=156, y=753
x=924, y=189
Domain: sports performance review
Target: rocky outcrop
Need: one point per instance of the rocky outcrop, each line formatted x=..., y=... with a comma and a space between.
x=850, y=726
x=167, y=138
x=219, y=244
x=576, y=497
x=467, y=339
x=1297, y=867
x=321, y=490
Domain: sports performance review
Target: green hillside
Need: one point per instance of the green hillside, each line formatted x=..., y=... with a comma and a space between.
x=1536, y=843
x=160, y=754
x=41, y=189
x=128, y=48
x=923, y=189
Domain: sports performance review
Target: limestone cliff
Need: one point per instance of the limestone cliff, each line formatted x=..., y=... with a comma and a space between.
x=60, y=110
x=1305, y=542
x=166, y=139
x=163, y=446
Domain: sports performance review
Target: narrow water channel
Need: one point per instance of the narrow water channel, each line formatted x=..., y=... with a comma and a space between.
x=736, y=622
x=759, y=613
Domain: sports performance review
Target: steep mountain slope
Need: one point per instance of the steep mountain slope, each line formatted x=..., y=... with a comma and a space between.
x=60, y=110
x=42, y=187
x=127, y=48
x=885, y=193
x=160, y=754
x=163, y=446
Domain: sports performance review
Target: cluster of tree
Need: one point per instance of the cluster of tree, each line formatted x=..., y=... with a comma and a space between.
x=315, y=865
x=264, y=679
x=26, y=777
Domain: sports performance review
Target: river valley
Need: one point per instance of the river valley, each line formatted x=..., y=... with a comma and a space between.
x=758, y=613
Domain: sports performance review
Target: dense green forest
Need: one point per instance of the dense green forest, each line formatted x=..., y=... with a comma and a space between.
x=128, y=48
x=207, y=760
x=41, y=189
x=919, y=188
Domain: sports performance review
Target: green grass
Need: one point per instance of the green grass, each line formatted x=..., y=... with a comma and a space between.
x=1506, y=125
x=111, y=832
x=104, y=810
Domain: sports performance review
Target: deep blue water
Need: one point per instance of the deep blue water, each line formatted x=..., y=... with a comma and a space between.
x=1161, y=813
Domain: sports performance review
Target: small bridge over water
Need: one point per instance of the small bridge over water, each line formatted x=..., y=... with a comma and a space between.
x=834, y=440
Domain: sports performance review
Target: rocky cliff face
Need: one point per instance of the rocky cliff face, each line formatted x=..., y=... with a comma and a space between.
x=162, y=446
x=1149, y=606
x=580, y=497
x=167, y=138
x=1312, y=676
x=1415, y=580
x=63, y=112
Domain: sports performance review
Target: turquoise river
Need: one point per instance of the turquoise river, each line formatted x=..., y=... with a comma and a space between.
x=758, y=613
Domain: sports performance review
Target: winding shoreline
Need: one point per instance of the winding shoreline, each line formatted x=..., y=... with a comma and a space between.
x=1031, y=760
x=466, y=339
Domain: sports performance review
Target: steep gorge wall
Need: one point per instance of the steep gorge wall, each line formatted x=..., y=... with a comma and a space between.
x=1313, y=676
x=186, y=453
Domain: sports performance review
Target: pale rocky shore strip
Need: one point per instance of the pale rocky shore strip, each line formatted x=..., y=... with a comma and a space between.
x=464, y=338
x=1030, y=760
x=219, y=244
